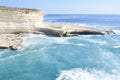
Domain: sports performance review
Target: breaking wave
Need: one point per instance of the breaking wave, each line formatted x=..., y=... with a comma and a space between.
x=117, y=31
x=9, y=57
x=80, y=74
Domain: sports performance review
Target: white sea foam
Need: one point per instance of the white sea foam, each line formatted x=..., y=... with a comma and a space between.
x=61, y=40
x=96, y=26
x=117, y=47
x=109, y=59
x=117, y=31
x=80, y=74
x=9, y=57
x=2, y=52
x=82, y=24
x=34, y=40
x=80, y=44
x=100, y=42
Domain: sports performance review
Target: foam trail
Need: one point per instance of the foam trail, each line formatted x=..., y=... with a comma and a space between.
x=117, y=47
x=80, y=74
x=117, y=31
x=100, y=42
x=32, y=40
x=10, y=57
x=80, y=44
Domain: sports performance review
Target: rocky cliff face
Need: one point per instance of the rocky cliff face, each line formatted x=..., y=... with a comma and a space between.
x=15, y=20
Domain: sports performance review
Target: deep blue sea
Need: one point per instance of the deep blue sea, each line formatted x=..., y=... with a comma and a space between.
x=66, y=58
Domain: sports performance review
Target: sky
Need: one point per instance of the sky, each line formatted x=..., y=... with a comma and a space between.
x=68, y=6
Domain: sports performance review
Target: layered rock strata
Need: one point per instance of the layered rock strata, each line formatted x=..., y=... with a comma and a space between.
x=19, y=20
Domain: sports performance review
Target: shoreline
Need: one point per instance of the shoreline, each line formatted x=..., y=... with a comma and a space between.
x=16, y=22
x=14, y=40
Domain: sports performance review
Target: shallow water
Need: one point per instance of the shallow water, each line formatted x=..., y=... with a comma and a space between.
x=67, y=58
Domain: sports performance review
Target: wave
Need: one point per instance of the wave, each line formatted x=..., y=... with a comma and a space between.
x=80, y=44
x=101, y=26
x=9, y=57
x=117, y=31
x=100, y=42
x=2, y=52
x=80, y=74
x=33, y=40
x=117, y=47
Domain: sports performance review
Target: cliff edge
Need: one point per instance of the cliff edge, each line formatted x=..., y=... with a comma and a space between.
x=14, y=20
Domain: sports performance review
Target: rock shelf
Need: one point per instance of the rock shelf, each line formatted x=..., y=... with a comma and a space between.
x=11, y=41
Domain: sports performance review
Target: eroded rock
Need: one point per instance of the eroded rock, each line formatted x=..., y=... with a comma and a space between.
x=11, y=41
x=67, y=30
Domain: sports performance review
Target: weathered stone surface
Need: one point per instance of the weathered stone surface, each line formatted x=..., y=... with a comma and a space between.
x=17, y=20
x=67, y=30
x=11, y=41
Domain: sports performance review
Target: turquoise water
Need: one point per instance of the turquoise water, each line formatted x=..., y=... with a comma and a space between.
x=67, y=58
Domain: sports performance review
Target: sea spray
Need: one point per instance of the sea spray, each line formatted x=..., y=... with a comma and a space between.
x=81, y=74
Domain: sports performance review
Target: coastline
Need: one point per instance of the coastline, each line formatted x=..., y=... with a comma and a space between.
x=15, y=22
x=11, y=41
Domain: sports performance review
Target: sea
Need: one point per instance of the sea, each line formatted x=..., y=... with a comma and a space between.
x=84, y=57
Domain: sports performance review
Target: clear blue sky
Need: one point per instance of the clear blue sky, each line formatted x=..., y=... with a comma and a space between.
x=68, y=6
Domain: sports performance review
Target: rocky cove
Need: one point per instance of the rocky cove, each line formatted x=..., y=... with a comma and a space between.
x=15, y=23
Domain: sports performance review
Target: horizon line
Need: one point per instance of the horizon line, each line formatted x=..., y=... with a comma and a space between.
x=78, y=14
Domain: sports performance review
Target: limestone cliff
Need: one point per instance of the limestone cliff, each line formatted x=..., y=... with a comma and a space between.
x=14, y=20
